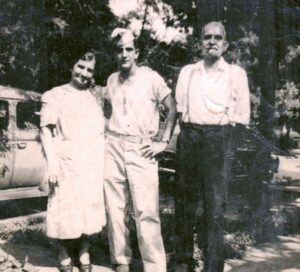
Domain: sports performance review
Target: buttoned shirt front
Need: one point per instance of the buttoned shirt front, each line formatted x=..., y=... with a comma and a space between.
x=215, y=98
x=135, y=102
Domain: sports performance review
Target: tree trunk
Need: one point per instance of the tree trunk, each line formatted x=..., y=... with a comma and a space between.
x=267, y=72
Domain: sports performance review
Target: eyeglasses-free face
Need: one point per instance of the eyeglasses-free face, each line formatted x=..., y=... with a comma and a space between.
x=213, y=41
x=127, y=55
x=82, y=73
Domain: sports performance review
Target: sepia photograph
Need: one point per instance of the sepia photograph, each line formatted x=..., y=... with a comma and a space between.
x=149, y=135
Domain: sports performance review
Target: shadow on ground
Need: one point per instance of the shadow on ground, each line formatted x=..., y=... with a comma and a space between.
x=282, y=255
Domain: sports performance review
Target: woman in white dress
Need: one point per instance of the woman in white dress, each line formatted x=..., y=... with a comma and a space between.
x=72, y=134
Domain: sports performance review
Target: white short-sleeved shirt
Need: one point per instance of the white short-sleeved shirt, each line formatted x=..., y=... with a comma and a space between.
x=215, y=98
x=135, y=102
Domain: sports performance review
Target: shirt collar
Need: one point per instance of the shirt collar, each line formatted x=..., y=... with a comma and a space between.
x=222, y=65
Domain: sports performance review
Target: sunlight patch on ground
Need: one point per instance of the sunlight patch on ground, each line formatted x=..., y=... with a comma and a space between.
x=282, y=255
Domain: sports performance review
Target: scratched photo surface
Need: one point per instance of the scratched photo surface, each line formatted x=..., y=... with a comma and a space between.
x=39, y=40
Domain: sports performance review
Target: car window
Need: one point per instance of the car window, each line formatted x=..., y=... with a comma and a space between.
x=28, y=115
x=3, y=114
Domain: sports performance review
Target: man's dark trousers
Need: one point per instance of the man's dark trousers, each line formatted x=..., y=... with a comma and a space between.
x=204, y=159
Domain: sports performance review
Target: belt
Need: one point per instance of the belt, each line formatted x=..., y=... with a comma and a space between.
x=129, y=138
x=203, y=126
x=195, y=125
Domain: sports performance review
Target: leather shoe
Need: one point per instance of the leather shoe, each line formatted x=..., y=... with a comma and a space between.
x=122, y=268
x=65, y=268
x=85, y=268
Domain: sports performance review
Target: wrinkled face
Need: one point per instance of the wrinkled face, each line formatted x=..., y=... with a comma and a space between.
x=213, y=41
x=82, y=73
x=127, y=55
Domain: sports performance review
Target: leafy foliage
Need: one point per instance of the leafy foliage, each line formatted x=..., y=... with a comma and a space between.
x=39, y=39
x=22, y=47
x=287, y=102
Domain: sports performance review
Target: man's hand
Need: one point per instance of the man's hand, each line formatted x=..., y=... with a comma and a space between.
x=151, y=150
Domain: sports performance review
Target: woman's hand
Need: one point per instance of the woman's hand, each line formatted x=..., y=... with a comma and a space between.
x=52, y=176
x=49, y=182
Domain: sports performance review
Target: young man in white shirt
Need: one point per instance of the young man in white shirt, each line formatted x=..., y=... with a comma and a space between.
x=131, y=170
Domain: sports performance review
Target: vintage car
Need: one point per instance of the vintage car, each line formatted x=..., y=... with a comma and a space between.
x=22, y=163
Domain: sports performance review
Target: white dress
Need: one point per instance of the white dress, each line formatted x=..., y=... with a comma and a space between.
x=77, y=205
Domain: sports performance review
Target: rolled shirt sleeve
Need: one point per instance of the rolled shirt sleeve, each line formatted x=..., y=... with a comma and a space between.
x=49, y=111
x=242, y=106
x=182, y=86
x=180, y=94
x=161, y=89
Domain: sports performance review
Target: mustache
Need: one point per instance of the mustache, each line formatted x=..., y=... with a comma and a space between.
x=82, y=76
x=213, y=48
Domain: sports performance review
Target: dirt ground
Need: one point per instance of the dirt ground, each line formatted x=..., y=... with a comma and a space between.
x=35, y=259
x=282, y=255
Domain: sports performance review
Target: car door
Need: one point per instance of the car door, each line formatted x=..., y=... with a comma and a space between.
x=6, y=151
x=29, y=163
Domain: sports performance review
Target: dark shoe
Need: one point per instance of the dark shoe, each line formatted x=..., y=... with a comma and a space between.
x=122, y=268
x=65, y=268
x=85, y=268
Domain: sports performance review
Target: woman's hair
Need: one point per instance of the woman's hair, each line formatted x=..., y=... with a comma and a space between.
x=87, y=55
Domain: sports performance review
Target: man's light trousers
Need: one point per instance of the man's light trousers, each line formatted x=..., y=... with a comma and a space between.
x=129, y=175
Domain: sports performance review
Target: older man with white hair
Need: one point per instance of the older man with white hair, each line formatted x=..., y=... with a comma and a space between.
x=131, y=170
x=212, y=101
